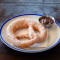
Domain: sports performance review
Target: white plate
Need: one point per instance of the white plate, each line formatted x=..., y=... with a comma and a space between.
x=51, y=41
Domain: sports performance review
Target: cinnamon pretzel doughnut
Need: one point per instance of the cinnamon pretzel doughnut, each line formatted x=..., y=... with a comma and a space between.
x=31, y=37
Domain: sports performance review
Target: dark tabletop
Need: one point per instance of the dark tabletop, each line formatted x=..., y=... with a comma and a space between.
x=10, y=8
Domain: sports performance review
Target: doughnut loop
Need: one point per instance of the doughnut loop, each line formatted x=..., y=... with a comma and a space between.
x=31, y=37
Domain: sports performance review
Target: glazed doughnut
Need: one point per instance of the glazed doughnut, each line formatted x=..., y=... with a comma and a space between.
x=31, y=37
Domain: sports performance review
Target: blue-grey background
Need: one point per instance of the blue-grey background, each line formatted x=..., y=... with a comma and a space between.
x=10, y=8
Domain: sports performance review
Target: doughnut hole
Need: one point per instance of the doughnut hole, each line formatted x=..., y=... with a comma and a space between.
x=21, y=33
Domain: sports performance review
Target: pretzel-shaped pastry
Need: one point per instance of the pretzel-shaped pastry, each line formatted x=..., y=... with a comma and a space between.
x=31, y=37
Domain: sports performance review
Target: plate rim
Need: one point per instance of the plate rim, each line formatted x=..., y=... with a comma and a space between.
x=22, y=50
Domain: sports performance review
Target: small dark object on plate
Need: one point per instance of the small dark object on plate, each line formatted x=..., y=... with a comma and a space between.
x=46, y=20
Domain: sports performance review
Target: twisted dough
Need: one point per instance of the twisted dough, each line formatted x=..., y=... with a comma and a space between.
x=31, y=37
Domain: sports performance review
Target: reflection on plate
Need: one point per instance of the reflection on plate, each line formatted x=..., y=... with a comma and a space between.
x=52, y=38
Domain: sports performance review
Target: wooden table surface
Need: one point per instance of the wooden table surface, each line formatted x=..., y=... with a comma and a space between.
x=10, y=8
